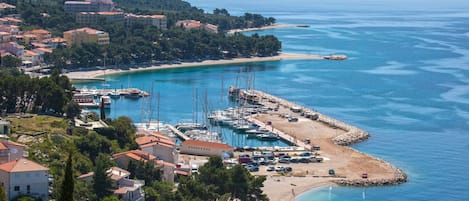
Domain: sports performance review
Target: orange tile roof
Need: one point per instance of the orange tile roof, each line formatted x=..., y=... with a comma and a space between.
x=39, y=31
x=136, y=155
x=22, y=165
x=3, y=147
x=84, y=29
x=199, y=143
x=121, y=190
x=164, y=163
x=180, y=172
x=110, y=13
x=31, y=53
x=13, y=143
x=48, y=50
x=152, y=139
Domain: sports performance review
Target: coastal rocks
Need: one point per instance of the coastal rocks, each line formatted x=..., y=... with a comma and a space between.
x=351, y=137
x=398, y=178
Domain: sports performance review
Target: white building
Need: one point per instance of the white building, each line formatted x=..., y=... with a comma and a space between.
x=9, y=150
x=158, y=145
x=124, y=188
x=204, y=148
x=24, y=177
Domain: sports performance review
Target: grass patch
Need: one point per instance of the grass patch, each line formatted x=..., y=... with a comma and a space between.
x=39, y=123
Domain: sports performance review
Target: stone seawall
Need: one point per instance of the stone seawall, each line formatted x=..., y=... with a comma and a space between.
x=352, y=135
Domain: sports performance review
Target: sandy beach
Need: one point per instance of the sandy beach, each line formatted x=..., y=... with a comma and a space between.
x=80, y=75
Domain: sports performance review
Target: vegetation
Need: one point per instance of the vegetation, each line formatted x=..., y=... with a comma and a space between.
x=3, y=195
x=68, y=185
x=20, y=93
x=138, y=43
x=101, y=182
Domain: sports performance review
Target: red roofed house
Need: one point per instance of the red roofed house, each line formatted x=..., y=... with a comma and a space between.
x=123, y=159
x=157, y=145
x=86, y=35
x=31, y=57
x=10, y=151
x=204, y=148
x=24, y=177
x=193, y=24
x=40, y=34
x=125, y=188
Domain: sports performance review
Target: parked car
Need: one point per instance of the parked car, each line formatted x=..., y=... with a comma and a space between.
x=270, y=168
x=305, y=154
x=305, y=160
x=294, y=160
x=284, y=160
x=331, y=172
x=253, y=169
x=279, y=168
x=287, y=169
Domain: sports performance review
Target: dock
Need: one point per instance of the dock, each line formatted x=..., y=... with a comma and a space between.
x=178, y=133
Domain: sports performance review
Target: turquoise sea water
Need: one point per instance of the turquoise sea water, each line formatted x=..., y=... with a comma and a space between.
x=406, y=82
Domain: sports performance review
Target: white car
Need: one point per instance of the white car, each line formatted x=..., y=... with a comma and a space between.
x=279, y=168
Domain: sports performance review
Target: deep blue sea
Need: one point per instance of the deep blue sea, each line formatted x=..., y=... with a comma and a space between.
x=406, y=82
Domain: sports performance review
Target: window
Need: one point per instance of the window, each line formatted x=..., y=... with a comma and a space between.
x=28, y=189
x=17, y=188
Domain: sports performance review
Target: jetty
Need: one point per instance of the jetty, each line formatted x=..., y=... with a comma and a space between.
x=178, y=133
x=324, y=136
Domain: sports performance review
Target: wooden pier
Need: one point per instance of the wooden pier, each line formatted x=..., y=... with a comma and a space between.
x=178, y=133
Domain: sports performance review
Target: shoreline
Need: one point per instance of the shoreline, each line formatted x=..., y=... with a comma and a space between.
x=93, y=75
x=274, y=26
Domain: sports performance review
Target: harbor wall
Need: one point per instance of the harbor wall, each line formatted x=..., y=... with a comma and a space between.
x=352, y=135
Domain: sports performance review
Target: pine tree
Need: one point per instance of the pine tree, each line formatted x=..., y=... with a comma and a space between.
x=68, y=184
x=102, y=183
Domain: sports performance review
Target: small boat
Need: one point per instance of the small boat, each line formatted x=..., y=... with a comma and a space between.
x=254, y=132
x=106, y=101
x=268, y=137
x=133, y=93
x=115, y=94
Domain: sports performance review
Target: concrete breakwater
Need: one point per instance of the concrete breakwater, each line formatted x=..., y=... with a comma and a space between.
x=352, y=135
x=361, y=169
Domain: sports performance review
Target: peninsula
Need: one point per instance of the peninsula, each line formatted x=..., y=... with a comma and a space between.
x=329, y=138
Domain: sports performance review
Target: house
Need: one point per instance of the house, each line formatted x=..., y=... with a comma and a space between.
x=12, y=48
x=4, y=127
x=10, y=21
x=55, y=42
x=124, y=188
x=12, y=29
x=158, y=145
x=204, y=148
x=88, y=6
x=86, y=35
x=24, y=177
x=40, y=34
x=9, y=150
x=122, y=160
x=31, y=57
x=193, y=24
x=159, y=21
x=5, y=6
x=93, y=17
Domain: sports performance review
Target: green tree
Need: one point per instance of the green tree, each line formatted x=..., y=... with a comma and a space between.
x=111, y=198
x=3, y=195
x=72, y=109
x=10, y=61
x=68, y=183
x=102, y=184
